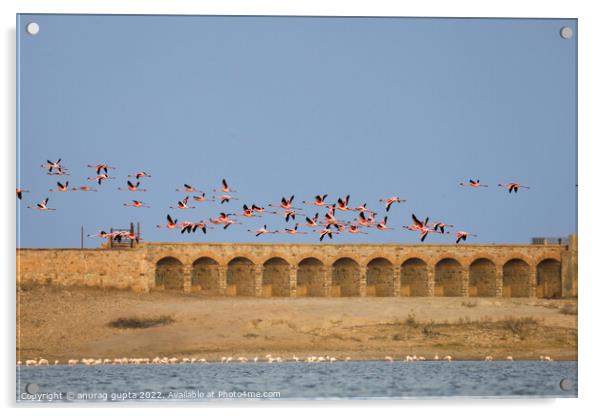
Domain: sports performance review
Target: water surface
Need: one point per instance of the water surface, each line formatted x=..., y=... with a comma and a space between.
x=339, y=380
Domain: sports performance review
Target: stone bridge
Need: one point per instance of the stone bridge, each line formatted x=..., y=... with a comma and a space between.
x=326, y=270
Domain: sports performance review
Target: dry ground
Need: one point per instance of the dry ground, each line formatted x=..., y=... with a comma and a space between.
x=62, y=323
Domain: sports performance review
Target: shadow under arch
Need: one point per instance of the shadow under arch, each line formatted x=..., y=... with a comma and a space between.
x=380, y=278
x=205, y=277
x=169, y=274
x=516, y=278
x=311, y=278
x=481, y=278
x=240, y=279
x=345, y=278
x=448, y=277
x=276, y=277
x=414, y=277
x=549, y=279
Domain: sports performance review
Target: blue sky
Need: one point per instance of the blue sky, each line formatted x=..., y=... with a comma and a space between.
x=371, y=107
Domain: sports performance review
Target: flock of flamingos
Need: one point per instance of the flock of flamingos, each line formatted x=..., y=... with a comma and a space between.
x=326, y=224
x=224, y=360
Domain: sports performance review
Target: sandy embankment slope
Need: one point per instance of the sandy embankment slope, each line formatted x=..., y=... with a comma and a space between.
x=59, y=323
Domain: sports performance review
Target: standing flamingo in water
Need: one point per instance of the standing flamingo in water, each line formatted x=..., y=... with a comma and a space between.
x=474, y=184
x=513, y=186
x=461, y=235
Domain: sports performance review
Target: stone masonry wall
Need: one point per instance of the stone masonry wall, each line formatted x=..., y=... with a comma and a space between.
x=309, y=269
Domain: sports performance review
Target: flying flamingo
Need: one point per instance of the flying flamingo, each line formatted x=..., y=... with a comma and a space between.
x=285, y=203
x=362, y=220
x=136, y=204
x=293, y=231
x=261, y=231
x=342, y=228
x=183, y=204
x=201, y=198
x=42, y=206
x=354, y=229
x=223, y=220
x=102, y=234
x=128, y=235
x=390, y=201
x=319, y=200
x=20, y=193
x=247, y=212
x=54, y=165
x=225, y=188
x=133, y=188
x=100, y=178
x=289, y=213
x=86, y=189
x=474, y=184
x=188, y=188
x=343, y=204
x=311, y=222
x=139, y=175
x=63, y=188
x=382, y=226
x=261, y=210
x=326, y=232
x=461, y=235
x=226, y=198
x=62, y=172
x=440, y=226
x=362, y=208
x=186, y=226
x=331, y=219
x=100, y=167
x=421, y=226
x=513, y=186
x=171, y=224
x=200, y=225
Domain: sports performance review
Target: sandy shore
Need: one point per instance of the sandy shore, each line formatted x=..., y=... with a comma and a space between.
x=63, y=323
